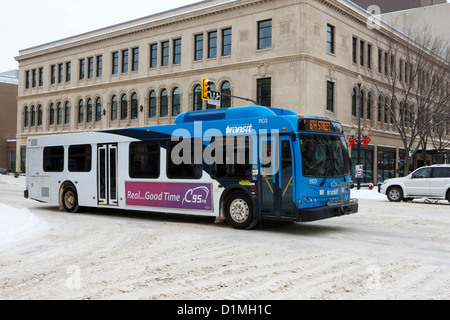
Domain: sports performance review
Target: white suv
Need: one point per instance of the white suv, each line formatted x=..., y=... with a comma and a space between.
x=431, y=182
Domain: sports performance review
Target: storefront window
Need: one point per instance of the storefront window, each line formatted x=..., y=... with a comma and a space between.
x=366, y=161
x=386, y=165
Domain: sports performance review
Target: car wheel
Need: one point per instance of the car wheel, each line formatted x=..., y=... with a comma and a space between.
x=448, y=195
x=239, y=211
x=395, y=194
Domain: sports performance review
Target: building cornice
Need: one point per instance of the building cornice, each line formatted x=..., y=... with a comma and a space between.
x=141, y=25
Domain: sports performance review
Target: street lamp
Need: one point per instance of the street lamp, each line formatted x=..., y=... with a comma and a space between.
x=358, y=163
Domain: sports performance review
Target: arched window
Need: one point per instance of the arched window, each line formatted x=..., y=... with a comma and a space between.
x=198, y=102
x=369, y=106
x=226, y=88
x=379, y=108
x=152, y=104
x=59, y=113
x=354, y=102
x=52, y=114
x=25, y=118
x=98, y=109
x=39, y=120
x=134, y=106
x=363, y=97
x=164, y=104
x=67, y=113
x=81, y=111
x=124, y=107
x=89, y=110
x=33, y=116
x=113, y=108
x=176, y=102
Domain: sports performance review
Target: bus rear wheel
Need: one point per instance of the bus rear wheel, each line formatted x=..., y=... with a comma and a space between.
x=239, y=211
x=70, y=199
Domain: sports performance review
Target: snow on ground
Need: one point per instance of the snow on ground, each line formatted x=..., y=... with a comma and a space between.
x=385, y=251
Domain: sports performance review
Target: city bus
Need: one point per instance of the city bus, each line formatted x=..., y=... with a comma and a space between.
x=244, y=165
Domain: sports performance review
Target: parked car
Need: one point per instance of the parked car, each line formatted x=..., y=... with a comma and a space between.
x=3, y=171
x=431, y=182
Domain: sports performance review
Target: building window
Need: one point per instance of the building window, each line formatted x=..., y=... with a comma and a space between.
x=354, y=102
x=115, y=62
x=80, y=111
x=82, y=68
x=380, y=62
x=369, y=106
x=265, y=34
x=39, y=116
x=177, y=51
x=60, y=73
x=212, y=44
x=134, y=106
x=25, y=117
x=369, y=56
x=354, y=47
x=52, y=74
x=153, y=55
x=330, y=38
x=264, y=91
x=33, y=78
x=99, y=66
x=41, y=77
x=67, y=113
x=125, y=61
x=124, y=107
x=135, y=59
x=212, y=87
x=33, y=116
x=226, y=99
x=165, y=54
x=52, y=114
x=361, y=52
x=68, y=71
x=199, y=47
x=59, y=113
x=152, y=104
x=90, y=68
x=198, y=102
x=114, y=108
x=226, y=42
x=98, y=109
x=27, y=80
x=386, y=63
x=89, y=110
x=164, y=104
x=176, y=102
x=330, y=96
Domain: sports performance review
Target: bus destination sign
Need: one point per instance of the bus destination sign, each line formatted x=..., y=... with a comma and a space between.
x=319, y=125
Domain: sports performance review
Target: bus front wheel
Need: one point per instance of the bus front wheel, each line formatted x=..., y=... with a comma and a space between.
x=70, y=199
x=239, y=211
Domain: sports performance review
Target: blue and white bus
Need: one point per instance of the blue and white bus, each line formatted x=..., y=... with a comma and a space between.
x=244, y=164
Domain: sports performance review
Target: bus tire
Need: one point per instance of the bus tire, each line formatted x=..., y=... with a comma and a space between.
x=70, y=199
x=239, y=211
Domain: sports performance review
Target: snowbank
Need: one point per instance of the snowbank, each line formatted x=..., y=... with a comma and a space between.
x=365, y=193
x=17, y=224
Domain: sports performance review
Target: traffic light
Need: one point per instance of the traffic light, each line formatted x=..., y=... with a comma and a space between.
x=206, y=88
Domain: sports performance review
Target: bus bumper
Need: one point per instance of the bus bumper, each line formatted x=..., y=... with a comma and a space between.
x=337, y=210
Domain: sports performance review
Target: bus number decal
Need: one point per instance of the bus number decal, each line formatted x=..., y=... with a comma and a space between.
x=192, y=196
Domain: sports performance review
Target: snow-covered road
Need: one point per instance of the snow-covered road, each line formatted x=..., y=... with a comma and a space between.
x=386, y=251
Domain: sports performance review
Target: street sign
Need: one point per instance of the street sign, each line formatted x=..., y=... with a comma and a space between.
x=214, y=98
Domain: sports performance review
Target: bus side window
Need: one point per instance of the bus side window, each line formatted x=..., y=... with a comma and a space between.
x=144, y=159
x=54, y=159
x=80, y=158
x=188, y=168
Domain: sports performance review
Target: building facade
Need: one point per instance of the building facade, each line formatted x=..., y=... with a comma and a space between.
x=8, y=119
x=303, y=55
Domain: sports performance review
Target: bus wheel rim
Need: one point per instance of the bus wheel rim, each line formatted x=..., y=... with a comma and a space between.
x=239, y=210
x=69, y=199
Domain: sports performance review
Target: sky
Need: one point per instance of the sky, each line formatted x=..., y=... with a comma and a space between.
x=28, y=23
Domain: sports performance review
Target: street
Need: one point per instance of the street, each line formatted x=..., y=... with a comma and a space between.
x=385, y=251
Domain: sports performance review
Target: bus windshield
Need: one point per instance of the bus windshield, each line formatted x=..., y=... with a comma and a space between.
x=324, y=155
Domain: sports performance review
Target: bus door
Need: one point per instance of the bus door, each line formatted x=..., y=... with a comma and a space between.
x=277, y=176
x=107, y=174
